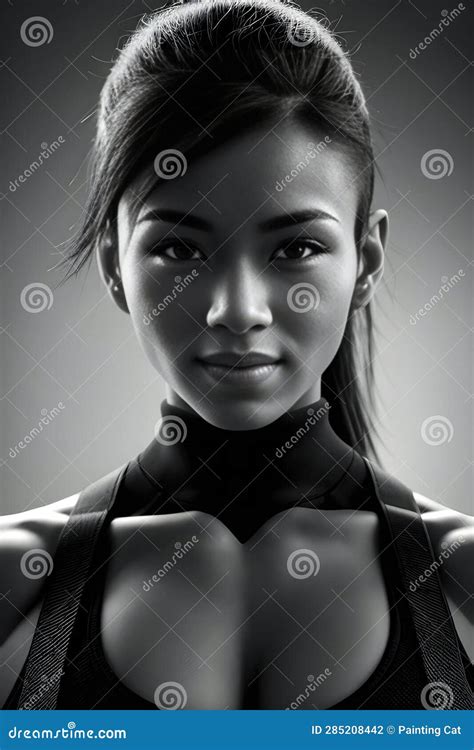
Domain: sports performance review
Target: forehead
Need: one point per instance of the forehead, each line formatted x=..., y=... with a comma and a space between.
x=258, y=174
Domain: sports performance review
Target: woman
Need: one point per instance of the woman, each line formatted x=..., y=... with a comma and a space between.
x=252, y=555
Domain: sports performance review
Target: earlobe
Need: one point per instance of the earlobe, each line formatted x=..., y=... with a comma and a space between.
x=109, y=269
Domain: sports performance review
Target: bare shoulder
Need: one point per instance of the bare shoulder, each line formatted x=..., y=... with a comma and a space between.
x=28, y=543
x=452, y=537
x=442, y=521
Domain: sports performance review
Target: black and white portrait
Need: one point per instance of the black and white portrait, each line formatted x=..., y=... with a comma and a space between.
x=236, y=356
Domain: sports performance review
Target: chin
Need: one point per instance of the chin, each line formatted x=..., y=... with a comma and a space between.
x=240, y=415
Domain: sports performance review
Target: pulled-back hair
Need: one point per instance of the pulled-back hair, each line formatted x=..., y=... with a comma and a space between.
x=196, y=74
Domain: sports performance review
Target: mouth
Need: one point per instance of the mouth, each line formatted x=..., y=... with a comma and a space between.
x=240, y=374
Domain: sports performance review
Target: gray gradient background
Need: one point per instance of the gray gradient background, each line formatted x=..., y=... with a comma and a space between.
x=82, y=351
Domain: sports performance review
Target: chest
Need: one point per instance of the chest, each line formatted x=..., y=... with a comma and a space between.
x=295, y=617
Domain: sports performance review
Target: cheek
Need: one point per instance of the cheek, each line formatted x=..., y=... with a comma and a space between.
x=314, y=314
x=168, y=310
x=162, y=311
x=321, y=299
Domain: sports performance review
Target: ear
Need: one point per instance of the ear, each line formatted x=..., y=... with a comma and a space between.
x=371, y=260
x=109, y=267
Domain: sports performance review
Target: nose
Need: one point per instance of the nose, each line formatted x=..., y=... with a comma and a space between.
x=239, y=299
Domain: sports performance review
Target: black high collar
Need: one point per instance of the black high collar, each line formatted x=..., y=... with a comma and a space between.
x=195, y=464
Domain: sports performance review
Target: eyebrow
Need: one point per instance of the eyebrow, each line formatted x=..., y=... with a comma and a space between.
x=272, y=224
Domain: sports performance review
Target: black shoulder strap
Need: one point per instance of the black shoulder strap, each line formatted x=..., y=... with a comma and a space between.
x=431, y=615
x=72, y=561
x=430, y=611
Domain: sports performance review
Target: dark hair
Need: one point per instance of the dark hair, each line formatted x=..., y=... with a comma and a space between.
x=197, y=73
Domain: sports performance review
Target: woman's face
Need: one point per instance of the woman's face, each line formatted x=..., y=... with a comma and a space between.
x=251, y=250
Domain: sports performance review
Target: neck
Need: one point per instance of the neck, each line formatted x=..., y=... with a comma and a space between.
x=298, y=453
x=307, y=400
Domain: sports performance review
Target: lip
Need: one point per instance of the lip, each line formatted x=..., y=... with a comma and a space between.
x=239, y=360
x=242, y=376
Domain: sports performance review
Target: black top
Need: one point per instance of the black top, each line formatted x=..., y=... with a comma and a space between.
x=244, y=478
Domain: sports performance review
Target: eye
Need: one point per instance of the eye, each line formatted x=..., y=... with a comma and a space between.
x=298, y=250
x=175, y=250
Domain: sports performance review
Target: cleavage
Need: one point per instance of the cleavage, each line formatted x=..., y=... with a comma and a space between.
x=187, y=603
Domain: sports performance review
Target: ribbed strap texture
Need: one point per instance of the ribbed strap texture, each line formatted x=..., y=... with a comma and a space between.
x=47, y=656
x=445, y=676
x=431, y=615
